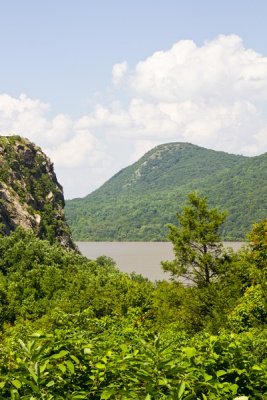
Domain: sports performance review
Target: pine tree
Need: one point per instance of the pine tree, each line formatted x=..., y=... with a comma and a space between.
x=196, y=242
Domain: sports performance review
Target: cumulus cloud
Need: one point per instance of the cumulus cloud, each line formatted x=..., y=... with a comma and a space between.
x=212, y=95
x=118, y=72
x=21, y=114
x=220, y=69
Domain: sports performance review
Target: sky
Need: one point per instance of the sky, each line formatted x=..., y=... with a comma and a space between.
x=97, y=83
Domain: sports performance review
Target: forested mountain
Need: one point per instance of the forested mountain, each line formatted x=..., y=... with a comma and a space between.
x=30, y=195
x=138, y=202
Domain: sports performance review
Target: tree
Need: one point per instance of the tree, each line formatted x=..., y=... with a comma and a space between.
x=197, y=246
x=258, y=247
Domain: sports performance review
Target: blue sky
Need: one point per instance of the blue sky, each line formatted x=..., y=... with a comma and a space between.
x=87, y=114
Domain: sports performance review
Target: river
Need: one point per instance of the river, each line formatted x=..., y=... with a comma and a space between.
x=140, y=257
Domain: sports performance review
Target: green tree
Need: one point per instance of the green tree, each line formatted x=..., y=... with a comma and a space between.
x=197, y=246
x=258, y=248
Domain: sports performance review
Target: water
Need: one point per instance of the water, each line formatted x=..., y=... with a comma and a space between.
x=140, y=257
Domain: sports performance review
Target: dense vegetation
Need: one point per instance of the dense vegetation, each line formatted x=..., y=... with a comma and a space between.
x=78, y=329
x=138, y=202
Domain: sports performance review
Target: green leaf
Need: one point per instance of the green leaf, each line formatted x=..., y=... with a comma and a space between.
x=234, y=388
x=62, y=368
x=34, y=387
x=43, y=366
x=189, y=351
x=221, y=372
x=14, y=394
x=207, y=377
x=181, y=389
x=16, y=383
x=70, y=366
x=100, y=365
x=61, y=354
x=256, y=368
x=51, y=383
x=23, y=345
x=124, y=348
x=38, y=334
x=75, y=359
x=107, y=393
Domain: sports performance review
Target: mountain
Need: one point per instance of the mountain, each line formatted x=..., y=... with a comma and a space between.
x=138, y=202
x=30, y=195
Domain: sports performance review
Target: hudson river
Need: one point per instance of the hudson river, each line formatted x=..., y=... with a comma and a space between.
x=140, y=257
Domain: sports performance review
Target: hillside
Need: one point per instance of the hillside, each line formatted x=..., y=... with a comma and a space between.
x=30, y=195
x=141, y=199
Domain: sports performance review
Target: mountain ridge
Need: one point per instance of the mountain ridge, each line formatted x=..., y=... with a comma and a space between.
x=152, y=154
x=138, y=201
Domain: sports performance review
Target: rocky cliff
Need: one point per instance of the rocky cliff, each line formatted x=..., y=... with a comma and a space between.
x=30, y=195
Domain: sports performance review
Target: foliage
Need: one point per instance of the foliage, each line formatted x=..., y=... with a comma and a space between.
x=72, y=328
x=251, y=308
x=258, y=249
x=196, y=243
x=37, y=277
x=250, y=311
x=67, y=365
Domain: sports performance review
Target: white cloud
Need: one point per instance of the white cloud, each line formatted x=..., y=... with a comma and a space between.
x=212, y=95
x=220, y=69
x=74, y=152
x=118, y=72
x=261, y=138
x=22, y=114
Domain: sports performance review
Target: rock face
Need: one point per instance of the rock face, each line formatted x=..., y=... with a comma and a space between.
x=30, y=195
